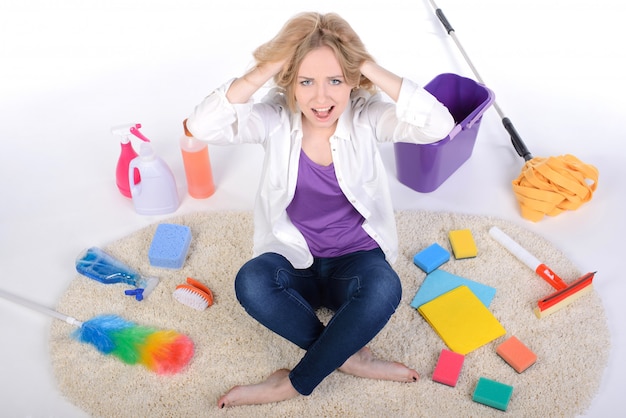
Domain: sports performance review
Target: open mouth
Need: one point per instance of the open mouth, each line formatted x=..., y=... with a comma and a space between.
x=323, y=113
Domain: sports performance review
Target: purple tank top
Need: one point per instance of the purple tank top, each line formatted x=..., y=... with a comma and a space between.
x=330, y=224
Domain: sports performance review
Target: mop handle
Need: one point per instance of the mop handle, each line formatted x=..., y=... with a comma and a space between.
x=527, y=258
x=37, y=307
x=516, y=139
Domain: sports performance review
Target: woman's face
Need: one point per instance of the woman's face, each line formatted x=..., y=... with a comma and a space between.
x=321, y=91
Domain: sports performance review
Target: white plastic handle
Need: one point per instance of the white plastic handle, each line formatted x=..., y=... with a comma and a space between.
x=135, y=188
x=514, y=248
x=37, y=307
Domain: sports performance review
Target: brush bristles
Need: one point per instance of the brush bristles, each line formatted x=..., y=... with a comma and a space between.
x=191, y=297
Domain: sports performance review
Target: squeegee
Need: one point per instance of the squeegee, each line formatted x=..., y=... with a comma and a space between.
x=564, y=295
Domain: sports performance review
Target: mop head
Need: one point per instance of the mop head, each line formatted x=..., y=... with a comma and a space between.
x=161, y=351
x=549, y=186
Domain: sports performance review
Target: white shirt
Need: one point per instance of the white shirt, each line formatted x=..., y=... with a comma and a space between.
x=417, y=117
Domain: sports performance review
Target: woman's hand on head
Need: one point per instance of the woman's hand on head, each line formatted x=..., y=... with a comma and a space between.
x=242, y=89
x=263, y=72
x=386, y=80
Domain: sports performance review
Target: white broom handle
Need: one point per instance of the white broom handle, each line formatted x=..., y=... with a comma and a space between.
x=40, y=308
x=514, y=248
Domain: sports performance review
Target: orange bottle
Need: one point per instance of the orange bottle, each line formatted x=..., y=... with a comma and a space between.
x=197, y=167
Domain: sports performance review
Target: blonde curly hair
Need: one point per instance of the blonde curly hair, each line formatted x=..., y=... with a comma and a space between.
x=305, y=32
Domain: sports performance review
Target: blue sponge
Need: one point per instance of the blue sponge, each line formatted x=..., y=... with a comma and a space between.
x=431, y=257
x=169, y=246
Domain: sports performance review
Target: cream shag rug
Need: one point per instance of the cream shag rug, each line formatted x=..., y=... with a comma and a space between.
x=572, y=344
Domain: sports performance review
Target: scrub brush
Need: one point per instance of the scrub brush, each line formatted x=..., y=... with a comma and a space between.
x=194, y=294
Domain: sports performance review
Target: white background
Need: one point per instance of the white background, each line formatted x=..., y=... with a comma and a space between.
x=69, y=70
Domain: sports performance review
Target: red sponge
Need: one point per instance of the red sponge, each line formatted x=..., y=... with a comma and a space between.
x=448, y=367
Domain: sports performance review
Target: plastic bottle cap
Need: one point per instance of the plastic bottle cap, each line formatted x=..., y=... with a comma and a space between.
x=146, y=152
x=191, y=144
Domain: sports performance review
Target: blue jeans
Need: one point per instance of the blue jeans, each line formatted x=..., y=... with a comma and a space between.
x=360, y=288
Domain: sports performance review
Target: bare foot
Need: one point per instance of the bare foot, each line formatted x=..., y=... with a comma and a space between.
x=364, y=364
x=275, y=388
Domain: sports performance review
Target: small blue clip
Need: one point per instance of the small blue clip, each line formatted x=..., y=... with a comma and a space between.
x=137, y=293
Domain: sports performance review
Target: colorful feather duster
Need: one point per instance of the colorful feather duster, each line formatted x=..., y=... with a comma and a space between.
x=162, y=351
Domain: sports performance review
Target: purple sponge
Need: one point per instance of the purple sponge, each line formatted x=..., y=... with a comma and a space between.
x=169, y=246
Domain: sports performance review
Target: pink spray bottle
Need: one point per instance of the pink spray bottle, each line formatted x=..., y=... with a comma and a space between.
x=127, y=154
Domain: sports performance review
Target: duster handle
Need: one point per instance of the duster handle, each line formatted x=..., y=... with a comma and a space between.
x=40, y=308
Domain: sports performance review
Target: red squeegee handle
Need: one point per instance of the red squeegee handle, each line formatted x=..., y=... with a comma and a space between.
x=551, y=277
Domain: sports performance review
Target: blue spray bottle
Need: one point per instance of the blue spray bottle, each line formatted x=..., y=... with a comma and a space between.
x=101, y=266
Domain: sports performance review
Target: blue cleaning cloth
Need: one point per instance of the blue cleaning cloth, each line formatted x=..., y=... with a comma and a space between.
x=439, y=282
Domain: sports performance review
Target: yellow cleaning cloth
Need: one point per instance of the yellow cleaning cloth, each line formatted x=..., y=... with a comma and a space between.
x=549, y=186
x=461, y=320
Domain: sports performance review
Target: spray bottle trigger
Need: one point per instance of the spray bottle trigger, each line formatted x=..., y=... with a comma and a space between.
x=135, y=131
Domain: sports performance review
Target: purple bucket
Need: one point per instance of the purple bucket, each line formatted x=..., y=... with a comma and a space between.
x=424, y=167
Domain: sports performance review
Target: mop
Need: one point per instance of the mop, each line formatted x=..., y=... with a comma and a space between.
x=161, y=351
x=546, y=186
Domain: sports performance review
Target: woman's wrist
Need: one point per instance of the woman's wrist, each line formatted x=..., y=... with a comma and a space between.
x=245, y=86
x=262, y=73
x=256, y=77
